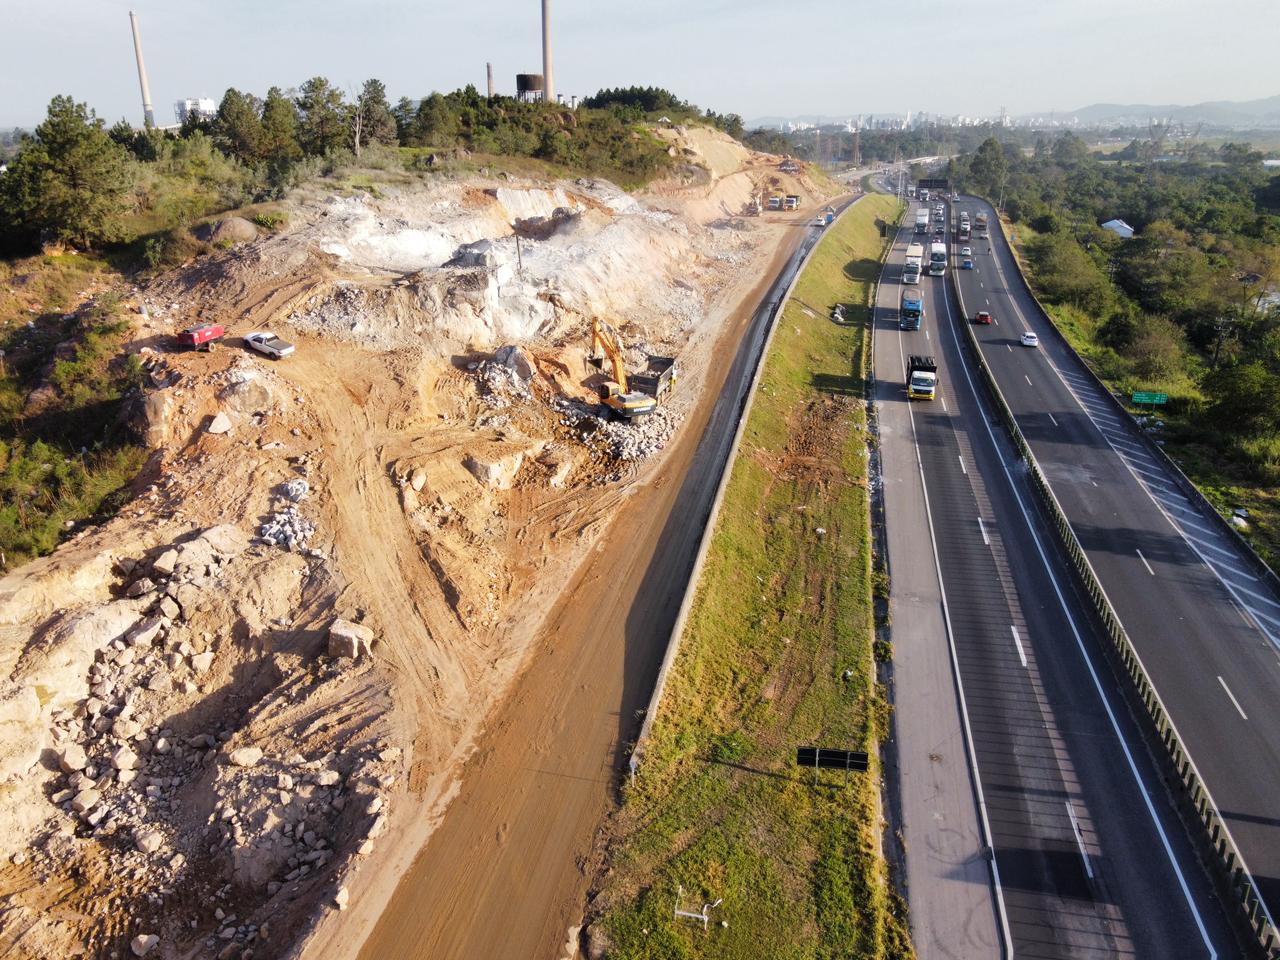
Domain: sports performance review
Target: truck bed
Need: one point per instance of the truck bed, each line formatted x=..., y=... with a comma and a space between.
x=655, y=379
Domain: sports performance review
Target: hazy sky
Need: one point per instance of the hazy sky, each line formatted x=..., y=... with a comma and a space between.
x=756, y=58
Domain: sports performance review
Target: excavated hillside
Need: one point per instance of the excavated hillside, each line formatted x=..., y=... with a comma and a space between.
x=224, y=710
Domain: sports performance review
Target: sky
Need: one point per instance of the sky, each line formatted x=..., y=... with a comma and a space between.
x=779, y=58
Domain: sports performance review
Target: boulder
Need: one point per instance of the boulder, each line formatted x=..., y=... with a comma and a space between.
x=515, y=359
x=124, y=759
x=169, y=608
x=202, y=661
x=418, y=479
x=73, y=758
x=84, y=801
x=226, y=540
x=143, y=943
x=347, y=639
x=247, y=397
x=155, y=410
x=245, y=756
x=342, y=898
x=221, y=423
x=145, y=633
x=163, y=565
x=227, y=231
x=149, y=841
x=497, y=469
x=139, y=587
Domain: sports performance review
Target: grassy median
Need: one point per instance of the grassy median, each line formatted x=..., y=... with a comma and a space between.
x=777, y=654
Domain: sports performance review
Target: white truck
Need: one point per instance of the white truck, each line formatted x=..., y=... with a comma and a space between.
x=922, y=220
x=268, y=344
x=915, y=263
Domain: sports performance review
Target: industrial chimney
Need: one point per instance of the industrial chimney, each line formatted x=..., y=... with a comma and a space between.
x=489, y=70
x=148, y=114
x=549, y=90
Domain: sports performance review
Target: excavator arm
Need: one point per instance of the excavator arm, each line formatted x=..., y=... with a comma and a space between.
x=603, y=341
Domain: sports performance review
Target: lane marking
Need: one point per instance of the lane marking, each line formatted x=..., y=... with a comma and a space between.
x=1075, y=828
x=1188, y=899
x=1017, y=642
x=1028, y=379
x=1009, y=348
x=944, y=404
x=1051, y=420
x=983, y=530
x=926, y=335
x=963, y=469
x=1234, y=701
x=1144, y=562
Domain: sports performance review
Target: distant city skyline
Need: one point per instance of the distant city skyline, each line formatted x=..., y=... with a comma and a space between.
x=757, y=59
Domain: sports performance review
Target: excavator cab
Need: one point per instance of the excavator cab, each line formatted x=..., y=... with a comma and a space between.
x=616, y=394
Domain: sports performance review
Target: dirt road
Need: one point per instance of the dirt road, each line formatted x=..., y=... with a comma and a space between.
x=507, y=871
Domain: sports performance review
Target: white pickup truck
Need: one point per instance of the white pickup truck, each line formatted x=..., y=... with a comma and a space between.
x=268, y=343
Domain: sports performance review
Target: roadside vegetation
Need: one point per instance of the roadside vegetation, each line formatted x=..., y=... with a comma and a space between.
x=1189, y=306
x=777, y=654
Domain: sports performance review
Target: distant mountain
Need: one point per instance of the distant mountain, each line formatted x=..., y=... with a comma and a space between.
x=1217, y=113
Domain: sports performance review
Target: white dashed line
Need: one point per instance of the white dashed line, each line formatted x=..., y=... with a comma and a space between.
x=1234, y=701
x=1075, y=828
x=1144, y=562
x=983, y=530
x=1017, y=642
x=1051, y=420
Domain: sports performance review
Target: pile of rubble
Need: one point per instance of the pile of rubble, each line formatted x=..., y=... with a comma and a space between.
x=624, y=440
x=287, y=528
x=505, y=378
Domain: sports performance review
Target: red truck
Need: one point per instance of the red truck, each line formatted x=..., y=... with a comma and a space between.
x=201, y=337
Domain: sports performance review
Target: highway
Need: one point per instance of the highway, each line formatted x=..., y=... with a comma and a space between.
x=1205, y=627
x=998, y=670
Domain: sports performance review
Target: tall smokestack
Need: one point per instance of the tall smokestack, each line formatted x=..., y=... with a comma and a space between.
x=148, y=114
x=549, y=85
x=489, y=69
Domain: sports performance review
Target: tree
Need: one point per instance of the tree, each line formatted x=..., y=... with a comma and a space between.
x=989, y=167
x=69, y=182
x=403, y=113
x=279, y=129
x=371, y=118
x=1069, y=150
x=434, y=124
x=238, y=127
x=1246, y=399
x=323, y=117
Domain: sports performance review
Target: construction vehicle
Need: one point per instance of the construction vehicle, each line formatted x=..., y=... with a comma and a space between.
x=791, y=202
x=201, y=337
x=617, y=395
x=775, y=201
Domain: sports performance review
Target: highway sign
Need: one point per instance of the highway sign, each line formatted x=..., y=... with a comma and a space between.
x=1155, y=399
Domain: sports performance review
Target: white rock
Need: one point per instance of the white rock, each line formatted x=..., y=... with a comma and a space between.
x=143, y=943
x=165, y=563
x=219, y=424
x=342, y=897
x=327, y=778
x=73, y=758
x=124, y=759
x=149, y=841
x=245, y=756
x=202, y=661
x=84, y=800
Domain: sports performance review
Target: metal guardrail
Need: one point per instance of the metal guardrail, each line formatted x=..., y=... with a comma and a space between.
x=708, y=530
x=1227, y=859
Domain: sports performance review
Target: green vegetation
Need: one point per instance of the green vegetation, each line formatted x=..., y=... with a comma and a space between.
x=783, y=610
x=64, y=454
x=1190, y=306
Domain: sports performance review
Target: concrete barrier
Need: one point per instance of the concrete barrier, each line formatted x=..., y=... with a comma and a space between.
x=708, y=530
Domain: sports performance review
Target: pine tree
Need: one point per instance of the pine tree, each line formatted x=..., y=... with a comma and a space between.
x=280, y=129
x=238, y=129
x=323, y=112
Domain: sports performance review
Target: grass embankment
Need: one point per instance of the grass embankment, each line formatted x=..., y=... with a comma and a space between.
x=64, y=455
x=783, y=611
x=1228, y=481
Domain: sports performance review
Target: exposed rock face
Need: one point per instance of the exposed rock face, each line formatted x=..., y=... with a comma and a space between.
x=515, y=359
x=496, y=468
x=347, y=639
x=156, y=409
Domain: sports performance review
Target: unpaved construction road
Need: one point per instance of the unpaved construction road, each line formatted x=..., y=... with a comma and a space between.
x=506, y=872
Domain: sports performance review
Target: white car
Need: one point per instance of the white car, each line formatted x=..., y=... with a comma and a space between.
x=1029, y=339
x=266, y=342
x=966, y=251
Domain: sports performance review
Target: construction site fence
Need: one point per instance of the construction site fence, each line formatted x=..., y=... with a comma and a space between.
x=708, y=530
x=1214, y=838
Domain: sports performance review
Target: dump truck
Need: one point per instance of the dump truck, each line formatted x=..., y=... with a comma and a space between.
x=657, y=378
x=775, y=201
x=922, y=378
x=791, y=202
x=201, y=337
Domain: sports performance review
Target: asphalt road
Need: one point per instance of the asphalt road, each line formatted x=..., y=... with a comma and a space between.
x=1205, y=627
x=1088, y=859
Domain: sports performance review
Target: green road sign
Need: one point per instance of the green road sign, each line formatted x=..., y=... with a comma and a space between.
x=1152, y=398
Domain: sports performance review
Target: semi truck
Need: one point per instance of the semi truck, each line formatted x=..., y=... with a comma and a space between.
x=922, y=378
x=922, y=221
x=980, y=225
x=962, y=231
x=937, y=259
x=915, y=263
x=911, y=315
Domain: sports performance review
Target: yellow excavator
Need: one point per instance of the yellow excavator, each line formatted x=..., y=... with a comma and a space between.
x=616, y=394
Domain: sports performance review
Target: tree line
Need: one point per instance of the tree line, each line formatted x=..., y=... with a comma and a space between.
x=73, y=180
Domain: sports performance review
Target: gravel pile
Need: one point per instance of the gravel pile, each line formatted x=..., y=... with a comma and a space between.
x=288, y=529
x=625, y=440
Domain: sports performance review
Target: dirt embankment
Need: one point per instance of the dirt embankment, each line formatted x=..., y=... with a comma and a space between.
x=236, y=709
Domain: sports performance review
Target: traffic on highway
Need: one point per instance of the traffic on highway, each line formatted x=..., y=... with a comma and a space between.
x=1001, y=674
